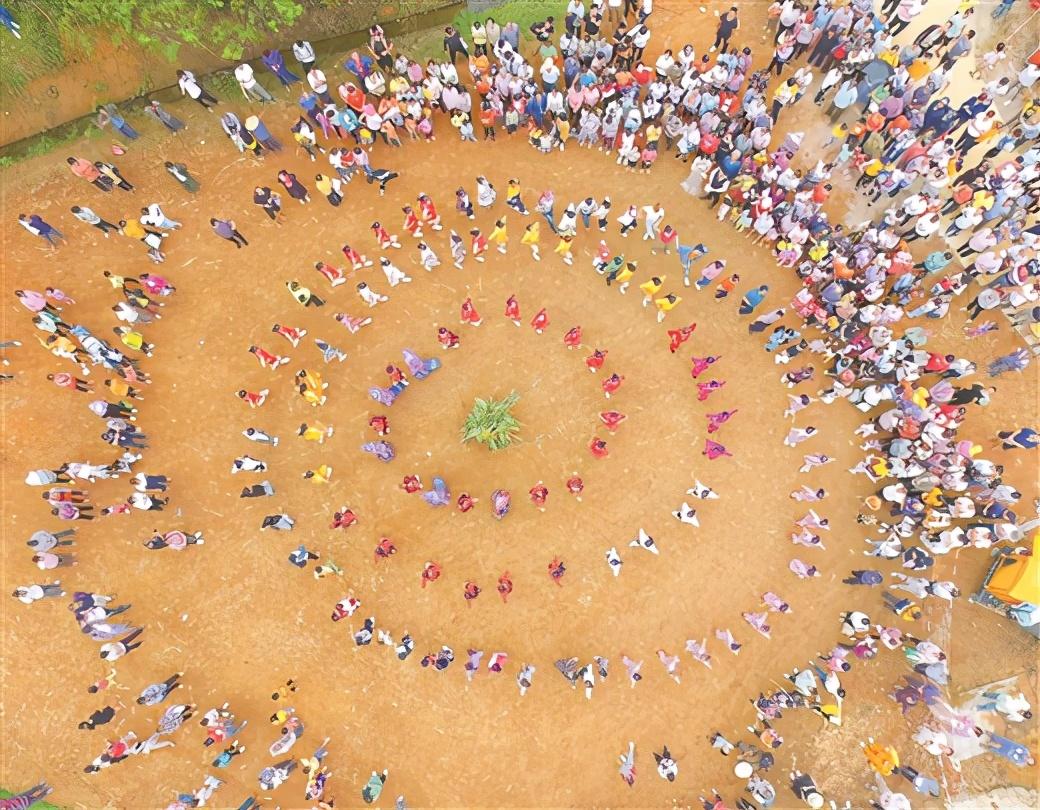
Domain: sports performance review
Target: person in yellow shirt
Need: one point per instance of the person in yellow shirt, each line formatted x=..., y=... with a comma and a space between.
x=316, y=432
x=121, y=390
x=311, y=387
x=132, y=228
x=666, y=305
x=322, y=475
x=498, y=235
x=563, y=249
x=532, y=233
x=651, y=288
x=623, y=276
x=563, y=129
x=871, y=169
x=513, y=197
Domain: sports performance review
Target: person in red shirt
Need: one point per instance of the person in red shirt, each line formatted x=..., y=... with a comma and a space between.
x=575, y=485
x=709, y=144
x=411, y=484
x=595, y=360
x=513, y=310
x=677, y=337
x=938, y=362
x=343, y=519
x=539, y=493
x=612, y=384
x=505, y=586
x=384, y=549
x=465, y=502
x=431, y=573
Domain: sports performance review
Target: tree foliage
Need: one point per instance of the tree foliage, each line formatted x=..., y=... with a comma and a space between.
x=52, y=29
x=490, y=423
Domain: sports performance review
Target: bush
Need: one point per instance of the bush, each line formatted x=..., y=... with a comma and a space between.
x=490, y=423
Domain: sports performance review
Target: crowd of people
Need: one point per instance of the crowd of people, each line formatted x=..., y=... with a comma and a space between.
x=967, y=172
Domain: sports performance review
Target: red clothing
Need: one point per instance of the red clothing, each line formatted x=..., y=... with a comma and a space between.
x=573, y=337
x=512, y=308
x=595, y=360
x=540, y=321
x=612, y=383
x=341, y=520
x=469, y=313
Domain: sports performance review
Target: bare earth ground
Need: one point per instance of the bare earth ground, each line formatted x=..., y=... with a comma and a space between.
x=239, y=620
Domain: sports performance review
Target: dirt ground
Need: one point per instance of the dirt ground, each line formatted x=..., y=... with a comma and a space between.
x=239, y=620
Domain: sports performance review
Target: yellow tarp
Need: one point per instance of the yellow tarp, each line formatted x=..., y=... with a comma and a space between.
x=1018, y=581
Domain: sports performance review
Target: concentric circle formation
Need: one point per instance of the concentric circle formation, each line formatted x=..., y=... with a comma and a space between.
x=652, y=522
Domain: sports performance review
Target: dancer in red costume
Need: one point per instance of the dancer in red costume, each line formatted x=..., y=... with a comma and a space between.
x=431, y=573
x=595, y=360
x=677, y=337
x=612, y=384
x=447, y=338
x=469, y=313
x=539, y=493
x=513, y=310
x=290, y=334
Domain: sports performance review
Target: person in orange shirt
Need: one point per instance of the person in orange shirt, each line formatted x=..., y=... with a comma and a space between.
x=487, y=120
x=89, y=172
x=821, y=191
x=874, y=122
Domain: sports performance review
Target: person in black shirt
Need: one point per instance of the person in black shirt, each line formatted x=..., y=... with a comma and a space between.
x=98, y=718
x=454, y=44
x=543, y=30
x=728, y=23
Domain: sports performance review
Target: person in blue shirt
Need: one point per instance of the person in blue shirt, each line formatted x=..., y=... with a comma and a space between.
x=753, y=298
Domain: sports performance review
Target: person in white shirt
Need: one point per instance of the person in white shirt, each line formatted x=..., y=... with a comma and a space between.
x=316, y=79
x=304, y=53
x=1014, y=708
x=191, y=88
x=654, y=214
x=28, y=594
x=250, y=86
x=153, y=215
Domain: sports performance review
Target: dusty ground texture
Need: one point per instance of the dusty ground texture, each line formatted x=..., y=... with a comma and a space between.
x=239, y=620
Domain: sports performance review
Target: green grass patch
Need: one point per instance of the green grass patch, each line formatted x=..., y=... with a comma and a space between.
x=429, y=44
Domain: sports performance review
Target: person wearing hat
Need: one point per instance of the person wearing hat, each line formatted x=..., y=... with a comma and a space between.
x=803, y=786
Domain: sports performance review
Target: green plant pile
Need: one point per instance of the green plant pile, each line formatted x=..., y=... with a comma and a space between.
x=492, y=424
